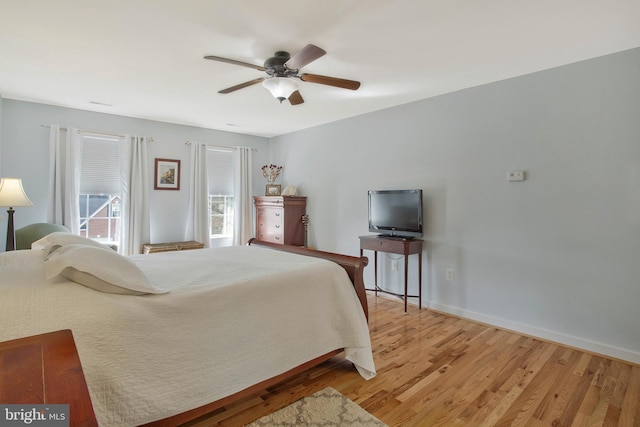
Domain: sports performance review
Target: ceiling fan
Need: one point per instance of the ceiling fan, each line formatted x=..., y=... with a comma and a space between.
x=283, y=70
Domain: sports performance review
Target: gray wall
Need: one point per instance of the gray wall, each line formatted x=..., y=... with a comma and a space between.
x=24, y=153
x=556, y=255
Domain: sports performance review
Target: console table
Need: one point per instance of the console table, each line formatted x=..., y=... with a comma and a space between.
x=395, y=245
x=45, y=369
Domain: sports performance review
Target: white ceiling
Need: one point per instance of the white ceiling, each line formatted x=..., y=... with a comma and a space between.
x=144, y=58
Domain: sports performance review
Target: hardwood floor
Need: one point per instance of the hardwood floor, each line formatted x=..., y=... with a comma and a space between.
x=439, y=370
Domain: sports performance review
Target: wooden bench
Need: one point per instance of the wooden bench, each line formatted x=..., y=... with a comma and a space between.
x=150, y=248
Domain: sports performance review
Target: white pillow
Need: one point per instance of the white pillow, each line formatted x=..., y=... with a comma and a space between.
x=25, y=259
x=100, y=269
x=63, y=238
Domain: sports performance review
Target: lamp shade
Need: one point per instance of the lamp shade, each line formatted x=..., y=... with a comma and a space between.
x=12, y=194
x=280, y=87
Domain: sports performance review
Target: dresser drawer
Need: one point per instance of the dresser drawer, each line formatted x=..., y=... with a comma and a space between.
x=271, y=215
x=391, y=244
x=270, y=229
x=269, y=235
x=383, y=245
x=270, y=224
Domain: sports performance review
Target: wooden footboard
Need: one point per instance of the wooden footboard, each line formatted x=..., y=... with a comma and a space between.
x=354, y=266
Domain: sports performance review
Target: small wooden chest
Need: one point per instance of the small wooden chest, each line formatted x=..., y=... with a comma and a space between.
x=151, y=248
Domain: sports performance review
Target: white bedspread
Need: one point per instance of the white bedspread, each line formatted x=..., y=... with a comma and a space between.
x=233, y=317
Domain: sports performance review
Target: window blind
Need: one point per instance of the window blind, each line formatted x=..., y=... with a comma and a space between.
x=100, y=173
x=220, y=172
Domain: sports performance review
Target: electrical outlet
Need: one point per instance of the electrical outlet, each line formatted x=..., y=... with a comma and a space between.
x=515, y=176
x=394, y=265
x=449, y=273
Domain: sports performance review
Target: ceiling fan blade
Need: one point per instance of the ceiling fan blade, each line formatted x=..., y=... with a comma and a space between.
x=233, y=61
x=330, y=81
x=308, y=54
x=241, y=85
x=295, y=98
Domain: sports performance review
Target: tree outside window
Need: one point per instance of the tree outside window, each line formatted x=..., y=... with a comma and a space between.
x=221, y=215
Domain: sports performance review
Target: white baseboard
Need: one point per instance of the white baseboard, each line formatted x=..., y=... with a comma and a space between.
x=545, y=334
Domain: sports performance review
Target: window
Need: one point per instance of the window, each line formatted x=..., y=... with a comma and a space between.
x=221, y=214
x=100, y=197
x=221, y=198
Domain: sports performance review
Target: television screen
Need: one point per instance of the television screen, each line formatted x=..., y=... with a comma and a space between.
x=396, y=212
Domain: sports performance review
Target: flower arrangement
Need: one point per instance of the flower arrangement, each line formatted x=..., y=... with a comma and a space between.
x=271, y=172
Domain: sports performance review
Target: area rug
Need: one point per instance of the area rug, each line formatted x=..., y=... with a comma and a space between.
x=326, y=408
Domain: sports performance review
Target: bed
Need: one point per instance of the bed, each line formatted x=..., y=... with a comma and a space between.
x=196, y=330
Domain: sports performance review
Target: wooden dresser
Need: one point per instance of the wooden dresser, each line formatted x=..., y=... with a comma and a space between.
x=279, y=219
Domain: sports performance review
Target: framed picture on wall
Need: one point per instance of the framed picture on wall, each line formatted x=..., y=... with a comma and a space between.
x=167, y=174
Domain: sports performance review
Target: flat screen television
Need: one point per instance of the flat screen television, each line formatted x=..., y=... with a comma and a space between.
x=396, y=213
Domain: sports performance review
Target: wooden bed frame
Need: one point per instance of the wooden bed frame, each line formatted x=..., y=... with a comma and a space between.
x=354, y=266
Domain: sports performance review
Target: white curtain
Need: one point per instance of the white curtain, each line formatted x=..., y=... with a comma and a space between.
x=134, y=169
x=243, y=223
x=64, y=177
x=198, y=215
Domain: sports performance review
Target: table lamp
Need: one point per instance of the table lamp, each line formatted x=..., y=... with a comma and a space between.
x=12, y=194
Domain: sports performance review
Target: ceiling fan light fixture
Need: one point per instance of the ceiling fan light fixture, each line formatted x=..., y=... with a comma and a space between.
x=280, y=87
